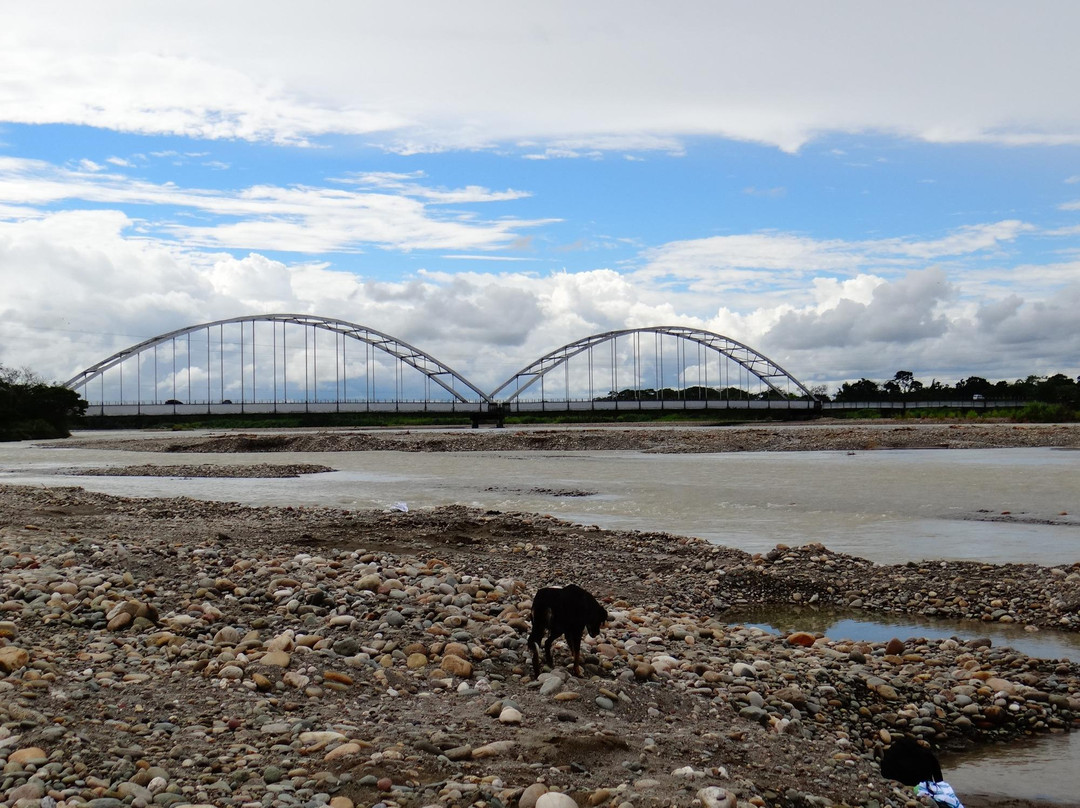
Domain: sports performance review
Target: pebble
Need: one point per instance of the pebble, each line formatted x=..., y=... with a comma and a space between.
x=456, y=666
x=13, y=658
x=510, y=715
x=555, y=799
x=531, y=794
x=715, y=797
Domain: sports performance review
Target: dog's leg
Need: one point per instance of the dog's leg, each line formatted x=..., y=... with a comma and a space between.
x=547, y=650
x=534, y=646
x=574, y=641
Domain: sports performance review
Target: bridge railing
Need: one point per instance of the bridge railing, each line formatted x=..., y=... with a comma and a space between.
x=658, y=405
x=252, y=408
x=549, y=406
x=965, y=404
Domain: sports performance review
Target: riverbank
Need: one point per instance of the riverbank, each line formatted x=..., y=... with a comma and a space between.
x=175, y=651
x=825, y=435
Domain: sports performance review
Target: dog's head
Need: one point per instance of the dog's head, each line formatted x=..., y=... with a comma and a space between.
x=596, y=620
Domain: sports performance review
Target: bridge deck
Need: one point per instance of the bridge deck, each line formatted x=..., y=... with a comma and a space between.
x=470, y=408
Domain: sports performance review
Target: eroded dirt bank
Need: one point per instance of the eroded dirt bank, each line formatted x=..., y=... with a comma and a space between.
x=174, y=651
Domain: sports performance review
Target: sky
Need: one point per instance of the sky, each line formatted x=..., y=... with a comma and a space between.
x=850, y=188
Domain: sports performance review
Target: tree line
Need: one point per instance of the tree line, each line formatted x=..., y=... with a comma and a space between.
x=31, y=408
x=903, y=386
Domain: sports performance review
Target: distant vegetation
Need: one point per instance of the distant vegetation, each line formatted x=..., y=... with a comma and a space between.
x=694, y=393
x=1050, y=398
x=31, y=408
x=903, y=386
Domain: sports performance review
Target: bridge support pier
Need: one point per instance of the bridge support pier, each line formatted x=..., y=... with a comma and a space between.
x=494, y=412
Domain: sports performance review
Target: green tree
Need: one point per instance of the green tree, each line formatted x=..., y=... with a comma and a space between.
x=1058, y=389
x=862, y=390
x=31, y=408
x=972, y=386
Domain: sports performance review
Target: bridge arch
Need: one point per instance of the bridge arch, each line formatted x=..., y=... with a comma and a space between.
x=243, y=333
x=743, y=356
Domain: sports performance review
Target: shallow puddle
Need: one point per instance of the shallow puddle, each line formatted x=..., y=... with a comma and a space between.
x=1043, y=768
x=848, y=624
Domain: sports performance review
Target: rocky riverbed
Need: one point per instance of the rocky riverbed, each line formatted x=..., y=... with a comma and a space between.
x=174, y=652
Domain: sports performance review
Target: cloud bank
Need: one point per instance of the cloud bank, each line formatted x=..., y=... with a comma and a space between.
x=558, y=79
x=84, y=285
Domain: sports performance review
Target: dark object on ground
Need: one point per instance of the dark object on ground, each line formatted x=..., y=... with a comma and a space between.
x=563, y=611
x=911, y=763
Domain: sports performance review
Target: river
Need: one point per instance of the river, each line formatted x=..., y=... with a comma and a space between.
x=995, y=505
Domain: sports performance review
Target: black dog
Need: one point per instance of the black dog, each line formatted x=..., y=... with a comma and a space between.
x=911, y=763
x=563, y=611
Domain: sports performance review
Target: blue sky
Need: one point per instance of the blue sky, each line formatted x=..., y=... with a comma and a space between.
x=851, y=189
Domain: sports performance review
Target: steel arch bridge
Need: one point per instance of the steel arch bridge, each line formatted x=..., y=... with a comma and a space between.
x=303, y=363
x=252, y=380
x=627, y=370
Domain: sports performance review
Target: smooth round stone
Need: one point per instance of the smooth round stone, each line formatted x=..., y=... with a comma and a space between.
x=278, y=659
x=715, y=797
x=643, y=671
x=803, y=638
x=369, y=582
x=33, y=789
x=456, y=666
x=509, y=715
x=604, y=703
x=754, y=713
x=416, y=661
x=345, y=750
x=13, y=658
x=27, y=755
x=346, y=647
x=227, y=636
x=743, y=671
x=550, y=686
x=555, y=799
x=531, y=794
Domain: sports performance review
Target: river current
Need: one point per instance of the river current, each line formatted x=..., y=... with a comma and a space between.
x=996, y=505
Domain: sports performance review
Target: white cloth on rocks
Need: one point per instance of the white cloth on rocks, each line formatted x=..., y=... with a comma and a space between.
x=941, y=793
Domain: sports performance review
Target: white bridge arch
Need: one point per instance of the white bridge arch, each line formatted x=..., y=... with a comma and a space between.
x=753, y=364
x=304, y=363
x=222, y=366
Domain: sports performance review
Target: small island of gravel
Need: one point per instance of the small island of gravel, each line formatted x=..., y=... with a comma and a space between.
x=251, y=470
x=824, y=435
